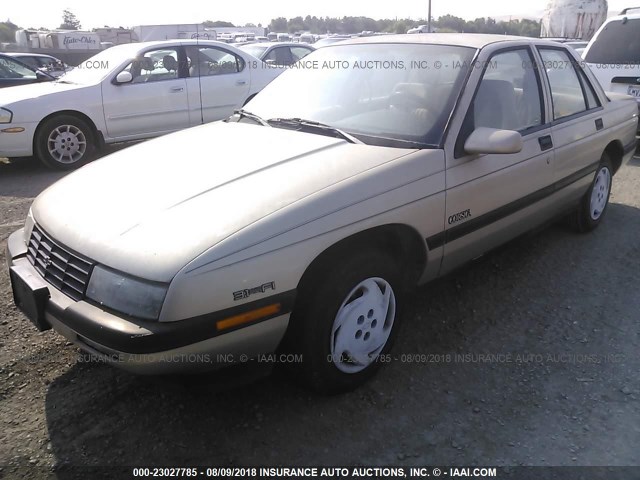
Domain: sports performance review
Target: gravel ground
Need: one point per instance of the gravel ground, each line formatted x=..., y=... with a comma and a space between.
x=557, y=313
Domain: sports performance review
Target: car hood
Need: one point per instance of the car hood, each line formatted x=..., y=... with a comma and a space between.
x=150, y=209
x=34, y=92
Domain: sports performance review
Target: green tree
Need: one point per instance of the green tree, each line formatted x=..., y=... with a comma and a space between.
x=69, y=21
x=217, y=24
x=8, y=31
x=278, y=25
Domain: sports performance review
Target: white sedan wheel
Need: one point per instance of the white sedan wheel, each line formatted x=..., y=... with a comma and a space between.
x=600, y=193
x=67, y=144
x=363, y=325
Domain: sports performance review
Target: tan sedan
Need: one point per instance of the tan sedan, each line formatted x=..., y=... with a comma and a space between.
x=297, y=225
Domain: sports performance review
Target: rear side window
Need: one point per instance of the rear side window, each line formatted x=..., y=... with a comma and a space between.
x=592, y=101
x=618, y=42
x=566, y=89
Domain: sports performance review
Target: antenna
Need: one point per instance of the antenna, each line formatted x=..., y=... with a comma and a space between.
x=623, y=12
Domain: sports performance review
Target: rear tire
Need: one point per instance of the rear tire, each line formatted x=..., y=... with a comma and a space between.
x=65, y=142
x=593, y=206
x=345, y=320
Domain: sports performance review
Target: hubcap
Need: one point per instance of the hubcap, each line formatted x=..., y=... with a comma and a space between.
x=600, y=193
x=67, y=144
x=362, y=325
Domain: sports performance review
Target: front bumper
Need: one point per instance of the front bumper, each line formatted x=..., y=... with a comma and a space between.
x=150, y=347
x=17, y=144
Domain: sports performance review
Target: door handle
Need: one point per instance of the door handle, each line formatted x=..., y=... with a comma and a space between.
x=241, y=83
x=545, y=142
x=177, y=89
x=599, y=124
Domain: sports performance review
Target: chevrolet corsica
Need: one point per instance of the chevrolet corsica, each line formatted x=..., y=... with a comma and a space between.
x=298, y=224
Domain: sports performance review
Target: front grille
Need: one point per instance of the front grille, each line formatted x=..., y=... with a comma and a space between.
x=64, y=270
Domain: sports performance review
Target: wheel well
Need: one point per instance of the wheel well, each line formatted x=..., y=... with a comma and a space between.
x=615, y=152
x=73, y=113
x=403, y=242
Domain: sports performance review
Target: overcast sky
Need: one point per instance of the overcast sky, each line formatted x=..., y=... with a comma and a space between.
x=128, y=13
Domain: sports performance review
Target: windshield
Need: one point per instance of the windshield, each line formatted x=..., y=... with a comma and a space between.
x=99, y=66
x=397, y=92
x=618, y=42
x=255, y=50
x=11, y=69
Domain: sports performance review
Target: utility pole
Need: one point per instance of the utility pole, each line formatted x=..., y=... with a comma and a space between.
x=429, y=18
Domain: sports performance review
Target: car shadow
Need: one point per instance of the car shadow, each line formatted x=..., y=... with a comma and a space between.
x=26, y=177
x=552, y=292
x=635, y=160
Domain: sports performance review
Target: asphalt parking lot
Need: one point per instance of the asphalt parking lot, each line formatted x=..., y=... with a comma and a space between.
x=530, y=356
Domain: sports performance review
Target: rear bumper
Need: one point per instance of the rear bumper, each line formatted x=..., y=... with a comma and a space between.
x=149, y=347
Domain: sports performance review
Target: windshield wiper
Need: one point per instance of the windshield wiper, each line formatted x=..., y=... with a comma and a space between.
x=311, y=125
x=252, y=116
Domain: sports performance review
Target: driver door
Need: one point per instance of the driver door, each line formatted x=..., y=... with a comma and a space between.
x=494, y=197
x=154, y=102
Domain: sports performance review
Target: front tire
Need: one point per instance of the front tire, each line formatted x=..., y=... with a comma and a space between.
x=345, y=320
x=593, y=205
x=65, y=142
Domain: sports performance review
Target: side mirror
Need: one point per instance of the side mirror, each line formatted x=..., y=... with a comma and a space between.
x=124, y=77
x=491, y=140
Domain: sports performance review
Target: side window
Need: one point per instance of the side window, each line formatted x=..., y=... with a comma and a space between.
x=509, y=93
x=280, y=56
x=299, y=52
x=592, y=100
x=31, y=61
x=155, y=66
x=44, y=62
x=210, y=61
x=566, y=90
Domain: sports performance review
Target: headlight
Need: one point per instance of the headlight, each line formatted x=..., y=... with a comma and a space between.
x=128, y=295
x=5, y=115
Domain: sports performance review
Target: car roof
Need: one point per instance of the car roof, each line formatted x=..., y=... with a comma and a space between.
x=474, y=40
x=635, y=13
x=27, y=54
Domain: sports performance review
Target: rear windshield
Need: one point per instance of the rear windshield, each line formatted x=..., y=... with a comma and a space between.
x=618, y=42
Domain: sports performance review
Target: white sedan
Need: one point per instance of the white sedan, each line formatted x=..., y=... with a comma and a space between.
x=299, y=224
x=128, y=92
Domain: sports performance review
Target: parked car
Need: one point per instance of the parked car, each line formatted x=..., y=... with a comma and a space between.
x=14, y=73
x=280, y=53
x=39, y=61
x=298, y=225
x=323, y=42
x=613, y=54
x=128, y=92
x=419, y=29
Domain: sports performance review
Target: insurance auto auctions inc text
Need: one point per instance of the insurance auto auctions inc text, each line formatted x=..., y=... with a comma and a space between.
x=375, y=472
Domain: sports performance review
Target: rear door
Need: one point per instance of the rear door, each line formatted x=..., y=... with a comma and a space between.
x=218, y=81
x=494, y=197
x=577, y=120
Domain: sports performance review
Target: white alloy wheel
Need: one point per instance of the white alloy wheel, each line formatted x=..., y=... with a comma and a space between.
x=67, y=144
x=600, y=193
x=363, y=325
